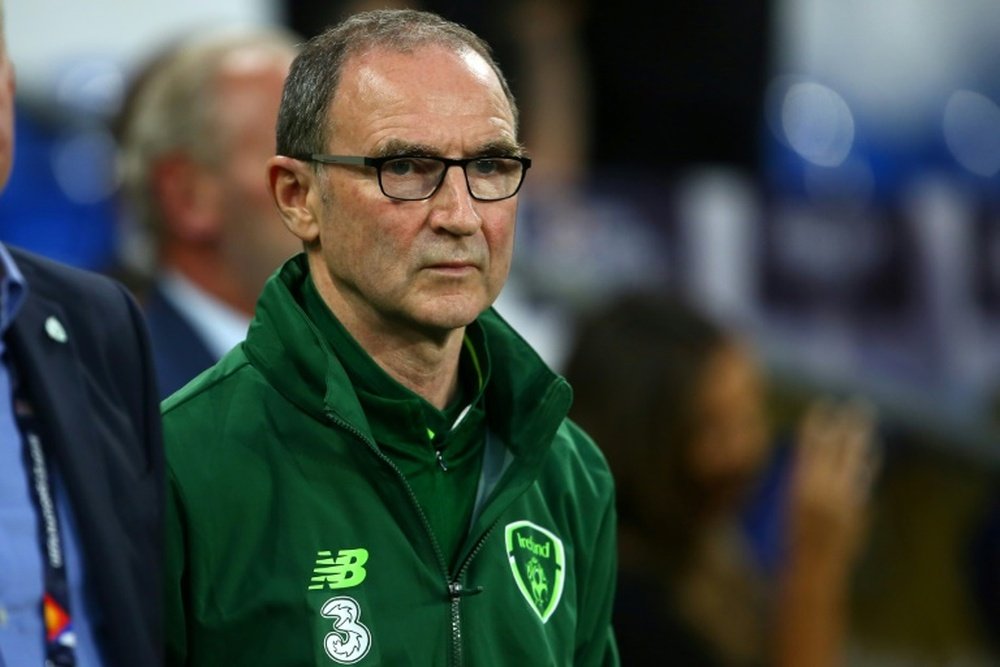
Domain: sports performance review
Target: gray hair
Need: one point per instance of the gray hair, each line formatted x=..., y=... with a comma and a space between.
x=171, y=108
x=315, y=73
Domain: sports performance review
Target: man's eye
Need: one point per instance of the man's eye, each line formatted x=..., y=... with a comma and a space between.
x=400, y=167
x=486, y=166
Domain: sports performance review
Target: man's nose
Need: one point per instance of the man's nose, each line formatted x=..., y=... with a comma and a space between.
x=454, y=208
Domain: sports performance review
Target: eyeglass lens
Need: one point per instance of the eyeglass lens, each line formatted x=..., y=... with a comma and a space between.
x=418, y=178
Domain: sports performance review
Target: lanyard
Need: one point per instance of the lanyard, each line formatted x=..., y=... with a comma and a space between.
x=59, y=636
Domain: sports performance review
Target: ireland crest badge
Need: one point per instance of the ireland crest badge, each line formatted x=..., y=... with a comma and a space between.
x=538, y=561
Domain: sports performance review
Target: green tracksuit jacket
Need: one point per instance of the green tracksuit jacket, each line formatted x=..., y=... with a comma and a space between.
x=294, y=541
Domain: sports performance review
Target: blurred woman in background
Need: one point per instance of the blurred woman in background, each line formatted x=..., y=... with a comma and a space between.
x=677, y=404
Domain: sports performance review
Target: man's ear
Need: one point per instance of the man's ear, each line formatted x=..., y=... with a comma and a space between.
x=291, y=183
x=189, y=197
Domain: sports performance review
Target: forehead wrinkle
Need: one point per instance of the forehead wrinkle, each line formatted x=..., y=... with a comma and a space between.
x=377, y=95
x=410, y=132
x=383, y=90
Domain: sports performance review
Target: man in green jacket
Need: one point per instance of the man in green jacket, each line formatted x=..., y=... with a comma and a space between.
x=383, y=472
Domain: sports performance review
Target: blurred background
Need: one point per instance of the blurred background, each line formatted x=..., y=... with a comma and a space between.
x=821, y=175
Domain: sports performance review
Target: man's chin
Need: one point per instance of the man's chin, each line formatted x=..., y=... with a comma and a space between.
x=445, y=314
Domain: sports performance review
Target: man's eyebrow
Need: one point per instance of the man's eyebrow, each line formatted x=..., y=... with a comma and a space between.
x=499, y=149
x=400, y=148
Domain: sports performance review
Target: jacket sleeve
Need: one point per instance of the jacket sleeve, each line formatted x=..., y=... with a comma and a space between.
x=152, y=440
x=595, y=636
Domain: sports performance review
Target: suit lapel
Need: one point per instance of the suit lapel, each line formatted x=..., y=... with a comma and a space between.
x=49, y=368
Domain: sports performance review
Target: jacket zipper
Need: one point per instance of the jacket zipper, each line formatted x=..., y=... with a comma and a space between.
x=456, y=591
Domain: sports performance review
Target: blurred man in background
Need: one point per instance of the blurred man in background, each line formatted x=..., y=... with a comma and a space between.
x=197, y=129
x=81, y=461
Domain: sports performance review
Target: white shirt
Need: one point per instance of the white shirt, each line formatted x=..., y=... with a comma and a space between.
x=220, y=325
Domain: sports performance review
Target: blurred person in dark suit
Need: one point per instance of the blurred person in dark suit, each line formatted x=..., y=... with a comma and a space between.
x=196, y=132
x=677, y=405
x=81, y=461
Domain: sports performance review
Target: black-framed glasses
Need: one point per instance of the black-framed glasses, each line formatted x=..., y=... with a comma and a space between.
x=415, y=178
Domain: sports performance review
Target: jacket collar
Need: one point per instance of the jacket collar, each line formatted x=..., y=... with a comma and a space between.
x=525, y=401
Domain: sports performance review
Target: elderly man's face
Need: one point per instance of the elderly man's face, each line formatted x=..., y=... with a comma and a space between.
x=253, y=239
x=424, y=266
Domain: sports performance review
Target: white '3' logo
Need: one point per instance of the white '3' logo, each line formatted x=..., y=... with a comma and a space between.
x=350, y=639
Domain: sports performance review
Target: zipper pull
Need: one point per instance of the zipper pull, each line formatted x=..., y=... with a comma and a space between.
x=457, y=590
